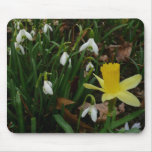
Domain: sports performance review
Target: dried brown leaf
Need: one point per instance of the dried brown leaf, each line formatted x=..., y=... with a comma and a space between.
x=63, y=101
x=124, y=52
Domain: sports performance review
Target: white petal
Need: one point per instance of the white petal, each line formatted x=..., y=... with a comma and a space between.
x=28, y=35
x=32, y=32
x=50, y=28
x=45, y=92
x=22, y=49
x=84, y=46
x=70, y=63
x=94, y=46
x=136, y=125
x=16, y=45
x=19, y=37
x=64, y=58
x=49, y=83
x=94, y=113
x=126, y=126
x=47, y=88
x=85, y=112
x=45, y=28
x=89, y=66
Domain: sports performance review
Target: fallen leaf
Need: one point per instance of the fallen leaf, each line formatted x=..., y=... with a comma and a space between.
x=63, y=101
x=124, y=52
x=103, y=58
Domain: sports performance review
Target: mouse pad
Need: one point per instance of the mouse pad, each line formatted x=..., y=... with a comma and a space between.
x=75, y=76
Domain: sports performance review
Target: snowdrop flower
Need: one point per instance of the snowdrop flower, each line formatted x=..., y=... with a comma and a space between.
x=64, y=58
x=91, y=45
x=19, y=47
x=89, y=66
x=9, y=51
x=33, y=33
x=135, y=125
x=47, y=87
x=92, y=111
x=17, y=25
x=22, y=35
x=46, y=27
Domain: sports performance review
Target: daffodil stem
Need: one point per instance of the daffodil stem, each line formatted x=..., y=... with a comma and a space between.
x=111, y=106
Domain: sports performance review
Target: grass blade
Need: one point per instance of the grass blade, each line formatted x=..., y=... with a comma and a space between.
x=63, y=124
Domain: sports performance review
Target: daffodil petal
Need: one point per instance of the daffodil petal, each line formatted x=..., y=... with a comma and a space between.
x=131, y=82
x=107, y=96
x=128, y=98
x=101, y=81
x=90, y=86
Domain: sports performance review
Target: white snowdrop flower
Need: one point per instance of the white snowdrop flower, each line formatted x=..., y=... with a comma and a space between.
x=135, y=125
x=17, y=25
x=19, y=47
x=9, y=51
x=47, y=87
x=91, y=45
x=22, y=35
x=46, y=27
x=33, y=33
x=126, y=126
x=92, y=111
x=89, y=66
x=64, y=58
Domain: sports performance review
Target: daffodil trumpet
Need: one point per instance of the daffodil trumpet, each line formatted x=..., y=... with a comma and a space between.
x=113, y=88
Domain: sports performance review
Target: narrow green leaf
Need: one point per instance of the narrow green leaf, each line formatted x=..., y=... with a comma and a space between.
x=19, y=112
x=33, y=124
x=125, y=119
x=63, y=124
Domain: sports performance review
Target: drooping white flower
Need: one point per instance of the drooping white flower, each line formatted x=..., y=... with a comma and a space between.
x=92, y=111
x=46, y=27
x=19, y=47
x=135, y=125
x=17, y=25
x=22, y=35
x=33, y=33
x=47, y=87
x=91, y=45
x=64, y=58
x=89, y=66
x=9, y=51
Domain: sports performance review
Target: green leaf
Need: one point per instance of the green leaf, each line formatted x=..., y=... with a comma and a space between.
x=125, y=119
x=19, y=111
x=63, y=124
x=33, y=124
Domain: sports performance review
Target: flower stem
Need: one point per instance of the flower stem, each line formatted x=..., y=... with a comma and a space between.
x=111, y=106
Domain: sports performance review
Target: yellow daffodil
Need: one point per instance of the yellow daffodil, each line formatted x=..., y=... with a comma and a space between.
x=113, y=88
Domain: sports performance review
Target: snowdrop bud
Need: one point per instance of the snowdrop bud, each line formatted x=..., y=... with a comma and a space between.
x=64, y=58
x=46, y=27
x=89, y=66
x=47, y=87
x=90, y=43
